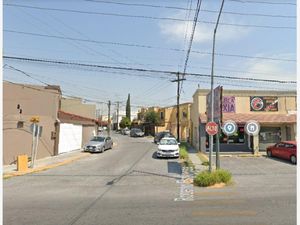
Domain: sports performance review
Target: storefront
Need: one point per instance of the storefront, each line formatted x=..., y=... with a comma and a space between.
x=274, y=111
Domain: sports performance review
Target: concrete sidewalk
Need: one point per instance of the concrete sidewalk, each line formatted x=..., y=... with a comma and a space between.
x=195, y=159
x=198, y=163
x=45, y=163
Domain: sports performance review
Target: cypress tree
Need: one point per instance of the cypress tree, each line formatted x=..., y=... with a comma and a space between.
x=128, y=111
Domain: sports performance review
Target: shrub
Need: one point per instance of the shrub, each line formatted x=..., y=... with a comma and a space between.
x=205, y=178
x=223, y=175
x=183, y=153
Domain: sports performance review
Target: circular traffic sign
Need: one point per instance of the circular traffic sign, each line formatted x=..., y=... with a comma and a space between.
x=229, y=127
x=211, y=128
x=252, y=127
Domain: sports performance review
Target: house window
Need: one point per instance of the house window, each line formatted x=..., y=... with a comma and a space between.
x=161, y=115
x=184, y=114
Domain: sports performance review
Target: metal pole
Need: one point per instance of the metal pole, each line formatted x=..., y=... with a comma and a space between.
x=36, y=144
x=117, y=116
x=178, y=84
x=211, y=140
x=108, y=124
x=218, y=146
x=33, y=145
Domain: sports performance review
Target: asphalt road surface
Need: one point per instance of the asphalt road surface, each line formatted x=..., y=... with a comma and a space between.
x=129, y=186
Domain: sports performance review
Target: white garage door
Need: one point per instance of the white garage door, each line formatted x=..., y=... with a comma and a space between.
x=70, y=137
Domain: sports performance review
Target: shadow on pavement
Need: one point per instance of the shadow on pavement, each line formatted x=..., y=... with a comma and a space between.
x=280, y=160
x=174, y=167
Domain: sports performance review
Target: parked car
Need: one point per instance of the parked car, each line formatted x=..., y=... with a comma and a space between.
x=125, y=131
x=168, y=147
x=98, y=144
x=161, y=135
x=285, y=150
x=136, y=132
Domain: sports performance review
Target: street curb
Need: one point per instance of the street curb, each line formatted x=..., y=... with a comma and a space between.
x=42, y=168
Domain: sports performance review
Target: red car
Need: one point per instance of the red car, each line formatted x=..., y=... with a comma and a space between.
x=285, y=150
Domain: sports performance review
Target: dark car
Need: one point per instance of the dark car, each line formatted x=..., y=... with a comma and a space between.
x=285, y=150
x=136, y=132
x=161, y=135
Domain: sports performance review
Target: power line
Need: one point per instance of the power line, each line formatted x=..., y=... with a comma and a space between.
x=188, y=9
x=262, y=2
x=146, y=46
x=170, y=73
x=149, y=17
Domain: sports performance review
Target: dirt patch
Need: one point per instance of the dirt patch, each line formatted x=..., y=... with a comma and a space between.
x=218, y=185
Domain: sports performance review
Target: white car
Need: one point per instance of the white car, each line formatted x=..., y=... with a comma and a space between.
x=168, y=147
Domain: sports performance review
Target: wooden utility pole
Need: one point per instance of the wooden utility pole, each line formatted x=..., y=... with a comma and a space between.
x=178, y=97
x=118, y=115
x=108, y=124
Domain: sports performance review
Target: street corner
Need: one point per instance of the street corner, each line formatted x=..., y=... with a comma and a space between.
x=45, y=167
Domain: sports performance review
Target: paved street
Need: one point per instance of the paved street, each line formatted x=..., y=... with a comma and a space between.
x=128, y=185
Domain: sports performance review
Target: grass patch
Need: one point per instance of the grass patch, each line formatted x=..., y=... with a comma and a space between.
x=205, y=178
x=184, y=155
x=203, y=159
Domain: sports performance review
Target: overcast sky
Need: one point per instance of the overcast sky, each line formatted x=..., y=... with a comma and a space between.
x=254, y=40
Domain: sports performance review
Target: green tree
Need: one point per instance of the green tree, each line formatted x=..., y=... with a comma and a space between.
x=152, y=117
x=128, y=110
x=125, y=122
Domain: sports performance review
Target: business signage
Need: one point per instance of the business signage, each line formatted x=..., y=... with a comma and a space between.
x=217, y=104
x=263, y=104
x=228, y=104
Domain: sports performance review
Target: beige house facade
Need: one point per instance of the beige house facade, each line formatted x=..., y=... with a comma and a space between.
x=168, y=120
x=20, y=104
x=275, y=112
x=62, y=131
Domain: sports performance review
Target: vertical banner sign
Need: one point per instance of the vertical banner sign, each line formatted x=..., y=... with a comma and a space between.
x=263, y=104
x=217, y=104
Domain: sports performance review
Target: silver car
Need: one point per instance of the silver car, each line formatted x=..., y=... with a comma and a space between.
x=98, y=144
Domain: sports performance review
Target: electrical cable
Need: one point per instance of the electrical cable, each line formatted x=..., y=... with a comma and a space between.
x=56, y=62
x=149, y=17
x=149, y=46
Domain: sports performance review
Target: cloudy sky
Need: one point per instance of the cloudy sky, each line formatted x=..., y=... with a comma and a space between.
x=255, y=39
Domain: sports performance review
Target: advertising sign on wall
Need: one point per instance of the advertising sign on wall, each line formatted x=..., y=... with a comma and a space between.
x=266, y=104
x=228, y=104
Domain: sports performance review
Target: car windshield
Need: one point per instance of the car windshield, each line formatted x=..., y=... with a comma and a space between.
x=168, y=142
x=99, y=139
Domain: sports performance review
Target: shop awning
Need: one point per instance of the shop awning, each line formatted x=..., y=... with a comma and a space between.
x=261, y=118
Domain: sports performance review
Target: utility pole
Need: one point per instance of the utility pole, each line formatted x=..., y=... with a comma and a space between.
x=178, y=97
x=211, y=139
x=108, y=124
x=118, y=115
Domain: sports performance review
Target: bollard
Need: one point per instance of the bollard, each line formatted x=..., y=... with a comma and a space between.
x=22, y=162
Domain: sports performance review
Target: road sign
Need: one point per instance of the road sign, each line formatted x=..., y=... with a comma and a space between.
x=229, y=127
x=211, y=128
x=252, y=128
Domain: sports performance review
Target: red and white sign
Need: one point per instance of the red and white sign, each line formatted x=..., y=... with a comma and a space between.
x=211, y=128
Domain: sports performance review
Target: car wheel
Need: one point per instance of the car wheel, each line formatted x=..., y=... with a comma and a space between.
x=293, y=159
x=102, y=149
x=269, y=153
